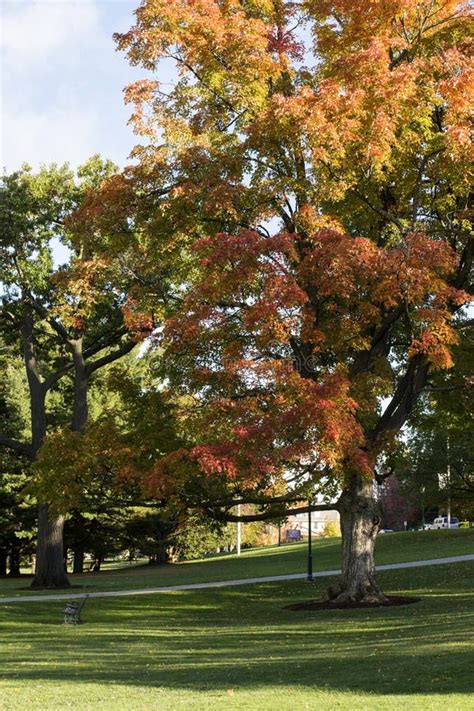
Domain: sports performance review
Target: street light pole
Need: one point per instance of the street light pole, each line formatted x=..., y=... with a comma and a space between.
x=423, y=523
x=309, y=577
x=448, y=478
x=239, y=531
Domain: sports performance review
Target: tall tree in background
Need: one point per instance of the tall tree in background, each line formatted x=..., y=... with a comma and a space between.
x=348, y=126
x=17, y=511
x=63, y=322
x=96, y=476
x=437, y=466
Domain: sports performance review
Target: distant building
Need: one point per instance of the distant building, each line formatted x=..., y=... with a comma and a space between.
x=319, y=519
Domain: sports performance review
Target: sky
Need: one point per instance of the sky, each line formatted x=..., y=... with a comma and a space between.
x=62, y=81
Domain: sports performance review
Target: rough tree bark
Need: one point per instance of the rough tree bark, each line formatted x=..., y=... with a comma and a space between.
x=49, y=571
x=81, y=384
x=360, y=520
x=50, y=536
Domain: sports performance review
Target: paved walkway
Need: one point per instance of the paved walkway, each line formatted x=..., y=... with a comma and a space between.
x=226, y=583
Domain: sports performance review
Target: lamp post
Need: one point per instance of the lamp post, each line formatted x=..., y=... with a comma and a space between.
x=448, y=480
x=423, y=522
x=239, y=531
x=309, y=577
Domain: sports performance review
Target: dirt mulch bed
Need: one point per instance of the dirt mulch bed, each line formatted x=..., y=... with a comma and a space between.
x=392, y=601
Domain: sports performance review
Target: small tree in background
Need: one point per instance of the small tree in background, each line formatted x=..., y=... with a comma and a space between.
x=62, y=322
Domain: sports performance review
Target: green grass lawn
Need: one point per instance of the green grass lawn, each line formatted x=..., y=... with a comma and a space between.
x=237, y=648
x=290, y=558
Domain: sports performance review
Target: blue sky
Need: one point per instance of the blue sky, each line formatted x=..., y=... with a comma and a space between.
x=62, y=81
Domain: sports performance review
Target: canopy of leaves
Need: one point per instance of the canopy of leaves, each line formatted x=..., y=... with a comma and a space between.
x=319, y=153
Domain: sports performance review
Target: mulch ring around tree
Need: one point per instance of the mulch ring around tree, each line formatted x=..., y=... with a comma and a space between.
x=392, y=601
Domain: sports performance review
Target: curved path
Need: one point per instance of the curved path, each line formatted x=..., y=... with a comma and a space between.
x=226, y=583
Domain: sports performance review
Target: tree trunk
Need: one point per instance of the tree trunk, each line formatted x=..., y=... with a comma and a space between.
x=360, y=520
x=14, y=560
x=78, y=565
x=81, y=386
x=49, y=571
x=3, y=561
x=95, y=567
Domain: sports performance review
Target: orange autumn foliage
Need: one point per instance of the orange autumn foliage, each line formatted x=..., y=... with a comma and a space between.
x=313, y=162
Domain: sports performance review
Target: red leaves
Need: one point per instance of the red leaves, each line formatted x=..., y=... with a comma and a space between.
x=214, y=459
x=137, y=322
x=281, y=42
x=259, y=298
x=281, y=334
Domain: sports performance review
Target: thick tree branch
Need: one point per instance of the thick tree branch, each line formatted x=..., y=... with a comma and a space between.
x=261, y=500
x=110, y=357
x=225, y=516
x=20, y=447
x=465, y=264
x=43, y=312
x=57, y=375
x=380, y=211
x=104, y=341
x=406, y=394
x=378, y=341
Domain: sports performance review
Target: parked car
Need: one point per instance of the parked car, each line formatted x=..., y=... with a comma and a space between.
x=465, y=524
x=442, y=522
x=386, y=530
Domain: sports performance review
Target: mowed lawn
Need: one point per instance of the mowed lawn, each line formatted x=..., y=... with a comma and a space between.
x=238, y=648
x=289, y=558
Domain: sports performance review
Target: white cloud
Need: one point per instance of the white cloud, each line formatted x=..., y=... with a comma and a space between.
x=33, y=32
x=62, y=81
x=60, y=134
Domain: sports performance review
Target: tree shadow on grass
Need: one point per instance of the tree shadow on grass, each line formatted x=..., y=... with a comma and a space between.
x=207, y=640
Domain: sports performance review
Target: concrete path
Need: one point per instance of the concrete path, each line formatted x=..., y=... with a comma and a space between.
x=225, y=583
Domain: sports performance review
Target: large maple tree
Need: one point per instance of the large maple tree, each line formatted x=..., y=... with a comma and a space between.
x=317, y=156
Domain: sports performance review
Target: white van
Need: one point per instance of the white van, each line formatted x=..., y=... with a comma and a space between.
x=442, y=522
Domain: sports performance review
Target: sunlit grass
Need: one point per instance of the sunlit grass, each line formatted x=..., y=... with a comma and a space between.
x=272, y=560
x=239, y=648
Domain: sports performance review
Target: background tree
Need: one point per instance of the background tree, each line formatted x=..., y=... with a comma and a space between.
x=17, y=511
x=323, y=149
x=94, y=476
x=66, y=322
x=436, y=467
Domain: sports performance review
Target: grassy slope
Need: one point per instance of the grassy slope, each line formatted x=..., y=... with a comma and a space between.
x=236, y=648
x=391, y=548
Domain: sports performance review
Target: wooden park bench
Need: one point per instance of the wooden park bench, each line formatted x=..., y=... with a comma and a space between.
x=72, y=611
